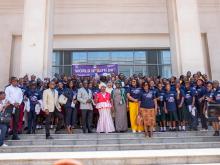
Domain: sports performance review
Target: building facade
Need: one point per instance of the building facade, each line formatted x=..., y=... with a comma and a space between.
x=153, y=37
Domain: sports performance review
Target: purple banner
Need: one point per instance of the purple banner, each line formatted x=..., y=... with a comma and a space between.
x=91, y=70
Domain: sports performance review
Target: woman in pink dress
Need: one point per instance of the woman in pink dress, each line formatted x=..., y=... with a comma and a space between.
x=103, y=104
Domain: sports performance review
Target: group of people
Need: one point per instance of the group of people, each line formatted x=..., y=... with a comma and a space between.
x=109, y=103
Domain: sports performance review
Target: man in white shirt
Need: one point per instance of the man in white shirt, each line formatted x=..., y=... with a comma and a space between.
x=15, y=97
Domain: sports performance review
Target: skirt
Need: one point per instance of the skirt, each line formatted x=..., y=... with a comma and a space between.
x=105, y=122
x=149, y=117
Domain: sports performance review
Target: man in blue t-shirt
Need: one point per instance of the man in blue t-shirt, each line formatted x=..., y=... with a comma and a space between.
x=34, y=96
x=190, y=105
x=161, y=116
x=170, y=107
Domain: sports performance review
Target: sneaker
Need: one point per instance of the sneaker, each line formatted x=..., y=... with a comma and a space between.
x=164, y=129
x=203, y=129
x=4, y=145
x=161, y=129
x=139, y=131
x=133, y=131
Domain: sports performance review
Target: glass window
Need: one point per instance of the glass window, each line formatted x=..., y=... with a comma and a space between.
x=152, y=70
x=57, y=58
x=165, y=71
x=67, y=58
x=164, y=57
x=122, y=56
x=57, y=70
x=79, y=57
x=67, y=70
x=94, y=56
x=152, y=56
x=126, y=70
x=147, y=62
x=140, y=69
x=140, y=56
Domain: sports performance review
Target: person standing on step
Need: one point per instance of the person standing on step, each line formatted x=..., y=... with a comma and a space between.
x=14, y=95
x=119, y=101
x=103, y=104
x=133, y=95
x=51, y=108
x=70, y=111
x=191, y=113
x=161, y=116
x=208, y=99
x=171, y=107
x=148, y=108
x=181, y=109
x=85, y=97
x=34, y=97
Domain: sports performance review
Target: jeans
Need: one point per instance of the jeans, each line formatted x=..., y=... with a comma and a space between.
x=32, y=121
x=3, y=130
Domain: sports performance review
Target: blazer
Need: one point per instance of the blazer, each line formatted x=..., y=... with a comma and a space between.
x=83, y=96
x=50, y=100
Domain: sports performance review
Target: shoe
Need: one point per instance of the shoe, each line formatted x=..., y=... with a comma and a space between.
x=49, y=137
x=133, y=131
x=15, y=137
x=90, y=131
x=216, y=133
x=28, y=132
x=203, y=129
x=4, y=145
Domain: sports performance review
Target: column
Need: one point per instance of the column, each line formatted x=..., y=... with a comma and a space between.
x=185, y=37
x=37, y=38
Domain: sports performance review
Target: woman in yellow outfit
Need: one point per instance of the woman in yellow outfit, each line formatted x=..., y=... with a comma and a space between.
x=133, y=96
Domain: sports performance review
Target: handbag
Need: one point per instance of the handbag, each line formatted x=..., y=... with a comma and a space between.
x=5, y=117
x=140, y=121
x=62, y=99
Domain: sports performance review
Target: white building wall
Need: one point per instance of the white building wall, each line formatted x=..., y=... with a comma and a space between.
x=86, y=24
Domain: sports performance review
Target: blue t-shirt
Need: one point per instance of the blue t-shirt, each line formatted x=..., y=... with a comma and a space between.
x=200, y=92
x=161, y=96
x=209, y=94
x=147, y=99
x=189, y=94
x=170, y=99
x=134, y=92
x=217, y=96
x=34, y=96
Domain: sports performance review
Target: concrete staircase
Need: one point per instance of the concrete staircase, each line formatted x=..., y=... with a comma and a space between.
x=120, y=143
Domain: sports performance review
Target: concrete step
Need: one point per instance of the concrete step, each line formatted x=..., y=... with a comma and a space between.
x=98, y=140
x=153, y=157
x=116, y=135
x=108, y=147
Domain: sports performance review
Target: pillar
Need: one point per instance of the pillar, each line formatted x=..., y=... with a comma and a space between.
x=37, y=38
x=185, y=36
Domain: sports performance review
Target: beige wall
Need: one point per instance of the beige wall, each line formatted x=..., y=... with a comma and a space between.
x=87, y=24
